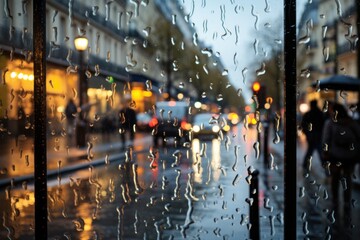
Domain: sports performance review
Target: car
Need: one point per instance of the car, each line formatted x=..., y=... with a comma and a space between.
x=171, y=120
x=143, y=122
x=208, y=124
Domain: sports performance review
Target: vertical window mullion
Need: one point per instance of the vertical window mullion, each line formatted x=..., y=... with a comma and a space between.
x=40, y=158
x=290, y=120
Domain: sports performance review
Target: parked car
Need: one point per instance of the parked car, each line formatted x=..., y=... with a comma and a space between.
x=171, y=120
x=143, y=122
x=208, y=124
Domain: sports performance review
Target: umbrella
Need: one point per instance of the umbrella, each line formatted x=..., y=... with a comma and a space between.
x=338, y=82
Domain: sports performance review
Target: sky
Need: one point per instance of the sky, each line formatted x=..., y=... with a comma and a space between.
x=233, y=29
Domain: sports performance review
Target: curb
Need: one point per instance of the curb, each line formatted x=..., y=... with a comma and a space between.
x=54, y=172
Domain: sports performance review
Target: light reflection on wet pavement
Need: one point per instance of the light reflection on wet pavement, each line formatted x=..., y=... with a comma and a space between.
x=184, y=200
x=196, y=192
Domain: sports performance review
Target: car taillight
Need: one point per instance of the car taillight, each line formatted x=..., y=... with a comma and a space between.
x=185, y=125
x=153, y=122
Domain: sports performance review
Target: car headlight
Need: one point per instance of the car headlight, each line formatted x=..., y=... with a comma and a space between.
x=235, y=121
x=215, y=128
x=196, y=128
x=226, y=128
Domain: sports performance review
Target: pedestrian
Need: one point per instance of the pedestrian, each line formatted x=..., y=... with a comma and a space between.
x=341, y=140
x=70, y=113
x=312, y=125
x=127, y=122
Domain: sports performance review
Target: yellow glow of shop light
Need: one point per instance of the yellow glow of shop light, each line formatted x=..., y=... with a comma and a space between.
x=31, y=77
x=147, y=93
x=20, y=76
x=137, y=94
x=25, y=77
x=13, y=75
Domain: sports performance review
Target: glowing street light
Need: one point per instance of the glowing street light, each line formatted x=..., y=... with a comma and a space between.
x=81, y=43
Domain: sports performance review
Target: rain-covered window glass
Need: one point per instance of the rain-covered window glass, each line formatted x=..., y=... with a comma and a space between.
x=165, y=119
x=16, y=120
x=328, y=119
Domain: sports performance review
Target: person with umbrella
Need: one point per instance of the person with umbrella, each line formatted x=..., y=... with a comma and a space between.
x=341, y=141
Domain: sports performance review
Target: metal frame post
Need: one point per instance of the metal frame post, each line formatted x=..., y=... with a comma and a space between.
x=290, y=213
x=358, y=49
x=83, y=101
x=40, y=158
x=254, y=207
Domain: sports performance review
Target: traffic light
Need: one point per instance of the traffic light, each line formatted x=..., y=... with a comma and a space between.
x=256, y=87
x=260, y=92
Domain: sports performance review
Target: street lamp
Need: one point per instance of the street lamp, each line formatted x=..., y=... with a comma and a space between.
x=81, y=45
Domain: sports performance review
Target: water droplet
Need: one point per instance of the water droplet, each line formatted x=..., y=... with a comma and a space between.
x=95, y=10
x=256, y=17
x=107, y=160
x=326, y=53
x=301, y=192
x=305, y=73
x=305, y=228
x=304, y=40
x=326, y=195
x=97, y=70
x=343, y=183
x=206, y=69
x=236, y=180
x=331, y=216
x=88, y=73
x=276, y=139
x=195, y=39
x=79, y=224
x=243, y=73
x=250, y=201
x=207, y=52
x=90, y=155
x=261, y=70
x=148, y=85
x=256, y=147
x=147, y=31
x=267, y=204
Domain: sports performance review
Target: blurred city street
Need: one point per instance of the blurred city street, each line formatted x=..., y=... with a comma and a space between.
x=215, y=190
x=208, y=173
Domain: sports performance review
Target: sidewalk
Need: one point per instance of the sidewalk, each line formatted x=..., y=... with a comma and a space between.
x=72, y=159
x=314, y=198
x=271, y=187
